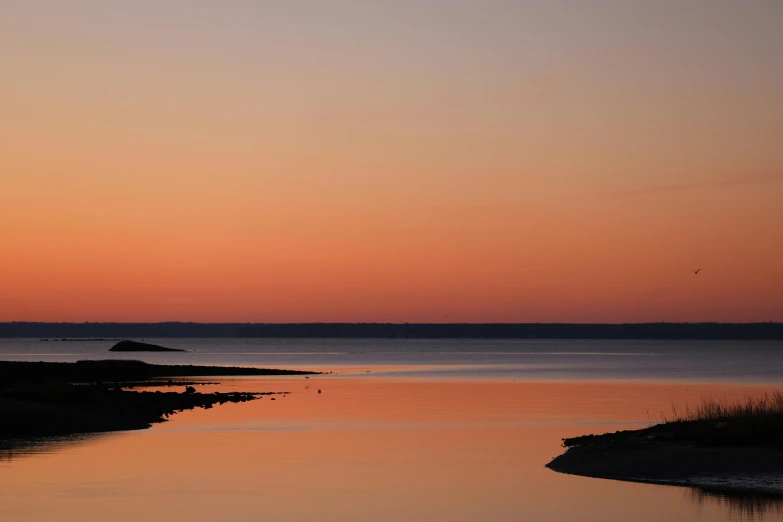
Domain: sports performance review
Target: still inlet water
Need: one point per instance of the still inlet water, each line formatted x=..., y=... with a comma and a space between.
x=402, y=430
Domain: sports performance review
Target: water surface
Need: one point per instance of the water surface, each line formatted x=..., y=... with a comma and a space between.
x=720, y=361
x=435, y=430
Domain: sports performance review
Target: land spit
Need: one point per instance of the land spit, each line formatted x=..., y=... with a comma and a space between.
x=46, y=399
x=739, y=456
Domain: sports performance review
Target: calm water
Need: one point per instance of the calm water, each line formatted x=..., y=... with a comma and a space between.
x=403, y=430
x=730, y=361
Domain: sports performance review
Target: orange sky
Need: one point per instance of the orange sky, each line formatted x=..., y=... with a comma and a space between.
x=407, y=161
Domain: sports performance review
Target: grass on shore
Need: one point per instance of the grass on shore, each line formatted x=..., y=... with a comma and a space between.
x=752, y=407
x=754, y=421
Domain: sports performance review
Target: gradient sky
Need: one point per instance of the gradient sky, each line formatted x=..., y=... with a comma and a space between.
x=436, y=161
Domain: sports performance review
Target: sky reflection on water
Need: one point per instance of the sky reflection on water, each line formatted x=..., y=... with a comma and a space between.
x=380, y=449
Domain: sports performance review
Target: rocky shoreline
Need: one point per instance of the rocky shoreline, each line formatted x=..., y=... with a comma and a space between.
x=53, y=399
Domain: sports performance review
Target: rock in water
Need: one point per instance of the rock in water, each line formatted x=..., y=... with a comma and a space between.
x=133, y=346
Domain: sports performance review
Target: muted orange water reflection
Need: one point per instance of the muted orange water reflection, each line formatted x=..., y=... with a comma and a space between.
x=364, y=449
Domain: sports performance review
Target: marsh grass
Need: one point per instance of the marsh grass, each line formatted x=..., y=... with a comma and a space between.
x=751, y=422
x=760, y=407
x=755, y=420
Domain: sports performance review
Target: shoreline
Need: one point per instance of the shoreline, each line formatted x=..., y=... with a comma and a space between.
x=40, y=399
x=770, y=331
x=695, y=454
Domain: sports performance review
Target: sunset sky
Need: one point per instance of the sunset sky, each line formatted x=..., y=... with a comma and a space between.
x=420, y=161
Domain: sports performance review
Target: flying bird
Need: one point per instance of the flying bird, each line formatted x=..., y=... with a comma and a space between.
x=697, y=271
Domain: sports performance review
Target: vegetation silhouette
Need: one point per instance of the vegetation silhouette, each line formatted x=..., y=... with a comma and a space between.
x=736, y=331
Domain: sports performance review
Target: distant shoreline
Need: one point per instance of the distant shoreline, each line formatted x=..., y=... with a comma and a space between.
x=79, y=340
x=769, y=331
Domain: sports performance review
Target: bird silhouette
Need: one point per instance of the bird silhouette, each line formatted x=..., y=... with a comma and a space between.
x=697, y=271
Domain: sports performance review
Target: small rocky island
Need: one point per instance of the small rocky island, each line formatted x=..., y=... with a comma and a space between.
x=135, y=346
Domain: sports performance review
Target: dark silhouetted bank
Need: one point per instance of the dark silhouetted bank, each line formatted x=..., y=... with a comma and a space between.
x=734, y=447
x=134, y=346
x=702, y=331
x=118, y=371
x=46, y=399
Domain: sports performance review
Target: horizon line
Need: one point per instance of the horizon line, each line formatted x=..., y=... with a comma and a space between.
x=395, y=323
